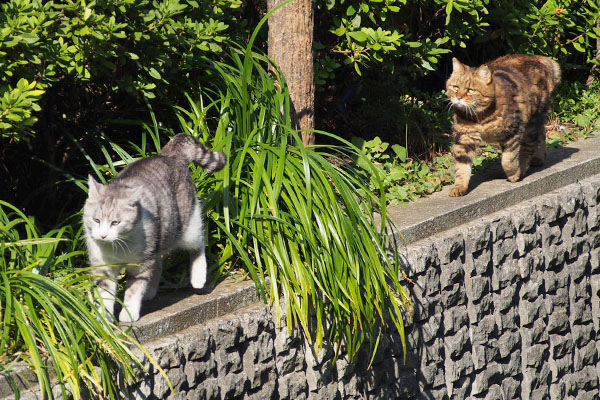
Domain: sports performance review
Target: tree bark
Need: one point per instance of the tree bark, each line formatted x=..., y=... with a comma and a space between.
x=592, y=74
x=290, y=46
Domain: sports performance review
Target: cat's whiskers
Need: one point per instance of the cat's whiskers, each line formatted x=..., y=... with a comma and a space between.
x=449, y=105
x=467, y=109
x=113, y=246
x=122, y=243
x=471, y=110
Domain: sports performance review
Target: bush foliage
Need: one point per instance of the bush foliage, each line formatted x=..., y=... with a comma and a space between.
x=411, y=37
x=147, y=48
x=142, y=48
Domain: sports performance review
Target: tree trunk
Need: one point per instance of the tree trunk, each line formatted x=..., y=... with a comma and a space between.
x=290, y=46
x=592, y=74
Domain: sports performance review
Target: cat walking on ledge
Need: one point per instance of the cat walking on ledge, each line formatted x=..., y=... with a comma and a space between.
x=149, y=209
x=504, y=101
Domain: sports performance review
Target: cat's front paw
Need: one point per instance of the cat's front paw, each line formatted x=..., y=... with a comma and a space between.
x=198, y=271
x=129, y=315
x=198, y=281
x=514, y=178
x=458, y=191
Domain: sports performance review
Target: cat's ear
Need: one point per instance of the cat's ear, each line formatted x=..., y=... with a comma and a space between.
x=457, y=66
x=93, y=187
x=485, y=74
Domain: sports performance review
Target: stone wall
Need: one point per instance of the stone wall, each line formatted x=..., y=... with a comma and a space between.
x=506, y=307
x=246, y=355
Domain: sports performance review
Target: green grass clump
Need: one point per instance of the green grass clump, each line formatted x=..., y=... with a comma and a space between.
x=404, y=179
x=300, y=221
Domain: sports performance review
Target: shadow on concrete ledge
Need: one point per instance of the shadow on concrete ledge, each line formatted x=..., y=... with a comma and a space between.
x=490, y=192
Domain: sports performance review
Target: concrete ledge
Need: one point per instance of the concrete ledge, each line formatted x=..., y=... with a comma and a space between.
x=490, y=192
x=172, y=312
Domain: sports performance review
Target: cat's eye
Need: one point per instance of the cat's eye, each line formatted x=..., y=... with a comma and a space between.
x=96, y=220
x=454, y=87
x=115, y=223
x=471, y=91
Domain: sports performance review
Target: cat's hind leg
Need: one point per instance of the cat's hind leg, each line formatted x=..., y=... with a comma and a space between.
x=193, y=240
x=539, y=153
x=515, y=161
x=142, y=284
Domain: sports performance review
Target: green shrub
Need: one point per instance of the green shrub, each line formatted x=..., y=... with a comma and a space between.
x=18, y=106
x=564, y=29
x=140, y=48
x=404, y=179
x=410, y=38
x=579, y=105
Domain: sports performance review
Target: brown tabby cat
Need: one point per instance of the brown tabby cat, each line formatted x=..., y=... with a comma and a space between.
x=504, y=101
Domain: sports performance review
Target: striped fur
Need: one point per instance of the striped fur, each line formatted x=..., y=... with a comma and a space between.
x=504, y=101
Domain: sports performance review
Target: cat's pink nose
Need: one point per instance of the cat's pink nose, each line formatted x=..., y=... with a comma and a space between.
x=103, y=235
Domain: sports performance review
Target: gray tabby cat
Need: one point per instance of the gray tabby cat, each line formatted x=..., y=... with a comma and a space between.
x=149, y=209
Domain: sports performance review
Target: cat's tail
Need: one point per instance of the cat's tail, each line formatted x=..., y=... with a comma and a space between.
x=555, y=73
x=186, y=148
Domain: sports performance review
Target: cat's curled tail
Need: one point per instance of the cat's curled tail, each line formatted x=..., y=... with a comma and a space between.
x=186, y=148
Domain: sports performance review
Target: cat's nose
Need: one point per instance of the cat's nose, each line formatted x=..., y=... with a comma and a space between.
x=103, y=235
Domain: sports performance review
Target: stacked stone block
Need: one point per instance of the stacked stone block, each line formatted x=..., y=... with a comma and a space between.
x=248, y=356
x=512, y=299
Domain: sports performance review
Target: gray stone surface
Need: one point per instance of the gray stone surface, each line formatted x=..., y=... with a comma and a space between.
x=531, y=307
x=249, y=356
